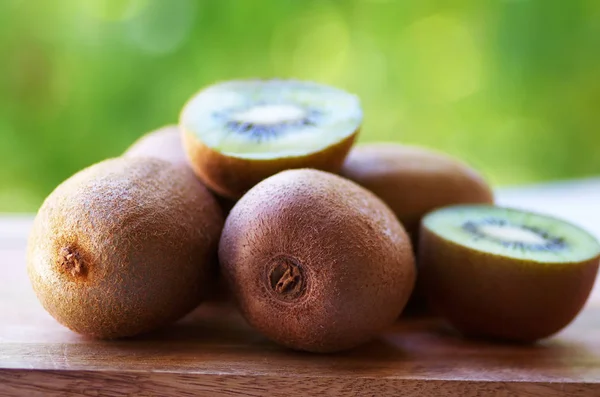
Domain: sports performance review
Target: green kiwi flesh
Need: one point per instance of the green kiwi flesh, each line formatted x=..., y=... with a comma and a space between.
x=266, y=119
x=123, y=247
x=505, y=273
x=316, y=262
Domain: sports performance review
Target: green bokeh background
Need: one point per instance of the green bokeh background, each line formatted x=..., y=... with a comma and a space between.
x=512, y=87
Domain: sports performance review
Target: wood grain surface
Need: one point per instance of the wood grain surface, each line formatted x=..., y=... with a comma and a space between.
x=213, y=352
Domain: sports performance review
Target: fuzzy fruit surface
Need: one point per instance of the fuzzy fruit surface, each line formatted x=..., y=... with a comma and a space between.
x=164, y=143
x=124, y=246
x=413, y=181
x=518, y=292
x=316, y=262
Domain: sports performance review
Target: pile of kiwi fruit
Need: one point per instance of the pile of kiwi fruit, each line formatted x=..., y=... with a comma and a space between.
x=259, y=196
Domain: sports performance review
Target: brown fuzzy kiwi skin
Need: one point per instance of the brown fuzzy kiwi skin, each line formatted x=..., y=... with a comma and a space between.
x=123, y=247
x=232, y=176
x=163, y=143
x=489, y=296
x=166, y=143
x=316, y=262
x=413, y=181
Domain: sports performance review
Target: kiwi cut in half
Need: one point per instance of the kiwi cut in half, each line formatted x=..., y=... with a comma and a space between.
x=125, y=246
x=316, y=262
x=238, y=133
x=503, y=273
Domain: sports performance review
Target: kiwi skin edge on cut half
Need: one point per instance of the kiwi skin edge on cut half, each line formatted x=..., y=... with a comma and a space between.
x=238, y=133
x=505, y=274
x=242, y=174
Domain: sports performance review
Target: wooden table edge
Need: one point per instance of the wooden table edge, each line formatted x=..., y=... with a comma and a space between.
x=33, y=382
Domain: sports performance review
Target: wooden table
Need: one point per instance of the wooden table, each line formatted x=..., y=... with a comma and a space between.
x=212, y=351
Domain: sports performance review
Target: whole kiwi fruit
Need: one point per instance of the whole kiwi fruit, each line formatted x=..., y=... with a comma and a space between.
x=124, y=246
x=504, y=273
x=237, y=133
x=413, y=181
x=316, y=262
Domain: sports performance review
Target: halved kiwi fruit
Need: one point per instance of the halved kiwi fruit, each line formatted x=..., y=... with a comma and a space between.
x=124, y=246
x=163, y=143
x=238, y=133
x=505, y=273
x=315, y=261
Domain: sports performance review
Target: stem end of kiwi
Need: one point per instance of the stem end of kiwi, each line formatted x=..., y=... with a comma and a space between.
x=71, y=262
x=286, y=279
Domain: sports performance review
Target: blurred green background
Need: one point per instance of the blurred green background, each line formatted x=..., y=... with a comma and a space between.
x=513, y=87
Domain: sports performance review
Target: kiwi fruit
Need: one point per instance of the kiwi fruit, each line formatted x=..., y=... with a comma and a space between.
x=125, y=246
x=414, y=181
x=316, y=262
x=503, y=273
x=163, y=143
x=237, y=133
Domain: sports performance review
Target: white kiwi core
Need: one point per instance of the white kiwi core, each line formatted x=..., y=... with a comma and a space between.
x=270, y=114
x=510, y=233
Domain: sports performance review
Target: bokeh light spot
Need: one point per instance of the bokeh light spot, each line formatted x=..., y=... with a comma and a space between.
x=113, y=10
x=445, y=61
x=369, y=71
x=315, y=47
x=323, y=51
x=162, y=26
